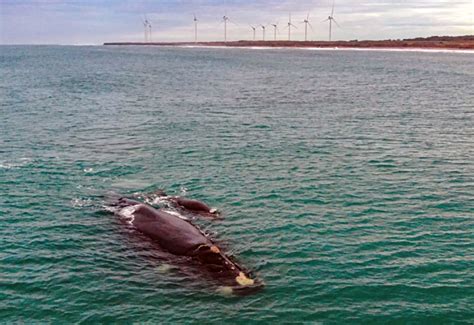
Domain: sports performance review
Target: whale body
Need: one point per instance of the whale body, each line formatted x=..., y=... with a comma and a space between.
x=181, y=237
x=176, y=235
x=193, y=205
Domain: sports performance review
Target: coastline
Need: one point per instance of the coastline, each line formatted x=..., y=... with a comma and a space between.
x=434, y=43
x=358, y=49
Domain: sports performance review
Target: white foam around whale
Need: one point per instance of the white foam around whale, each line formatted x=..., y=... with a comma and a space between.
x=176, y=214
x=158, y=200
x=80, y=202
x=225, y=291
x=164, y=268
x=128, y=213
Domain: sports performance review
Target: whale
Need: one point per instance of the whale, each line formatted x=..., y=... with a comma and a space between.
x=193, y=205
x=182, y=238
x=183, y=203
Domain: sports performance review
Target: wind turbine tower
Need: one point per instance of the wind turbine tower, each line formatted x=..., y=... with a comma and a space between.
x=331, y=19
x=145, y=26
x=150, y=39
x=306, y=23
x=275, y=28
x=195, y=29
x=263, y=32
x=289, y=26
x=225, y=19
x=254, y=29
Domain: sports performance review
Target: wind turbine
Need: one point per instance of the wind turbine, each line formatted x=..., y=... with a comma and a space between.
x=195, y=28
x=331, y=19
x=263, y=32
x=225, y=19
x=306, y=23
x=254, y=28
x=145, y=26
x=275, y=28
x=150, y=39
x=289, y=26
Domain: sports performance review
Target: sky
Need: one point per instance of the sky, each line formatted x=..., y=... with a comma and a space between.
x=99, y=21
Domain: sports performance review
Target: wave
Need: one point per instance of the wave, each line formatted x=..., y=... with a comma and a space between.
x=4, y=164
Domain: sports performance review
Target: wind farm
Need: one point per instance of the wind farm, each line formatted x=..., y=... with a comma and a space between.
x=304, y=38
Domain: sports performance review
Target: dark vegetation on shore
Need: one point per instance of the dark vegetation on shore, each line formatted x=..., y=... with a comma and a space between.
x=433, y=42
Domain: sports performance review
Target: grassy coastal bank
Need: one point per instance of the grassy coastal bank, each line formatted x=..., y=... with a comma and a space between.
x=433, y=42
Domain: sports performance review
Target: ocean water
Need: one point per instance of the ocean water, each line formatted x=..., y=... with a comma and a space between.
x=346, y=179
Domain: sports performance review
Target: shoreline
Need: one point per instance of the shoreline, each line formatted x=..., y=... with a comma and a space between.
x=359, y=49
x=448, y=43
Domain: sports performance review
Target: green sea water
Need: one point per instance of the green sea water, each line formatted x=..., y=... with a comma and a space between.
x=346, y=180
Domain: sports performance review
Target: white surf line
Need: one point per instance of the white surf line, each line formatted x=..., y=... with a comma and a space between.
x=382, y=49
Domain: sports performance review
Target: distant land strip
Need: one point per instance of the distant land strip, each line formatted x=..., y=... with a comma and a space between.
x=433, y=42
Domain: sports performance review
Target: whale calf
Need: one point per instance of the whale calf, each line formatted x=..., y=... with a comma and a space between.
x=183, y=203
x=193, y=205
x=181, y=237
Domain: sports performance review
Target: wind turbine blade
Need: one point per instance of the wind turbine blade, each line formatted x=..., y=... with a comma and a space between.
x=332, y=11
x=334, y=20
x=294, y=26
x=311, y=26
x=324, y=20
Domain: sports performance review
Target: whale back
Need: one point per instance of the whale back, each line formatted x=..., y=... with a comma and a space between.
x=193, y=205
x=173, y=234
